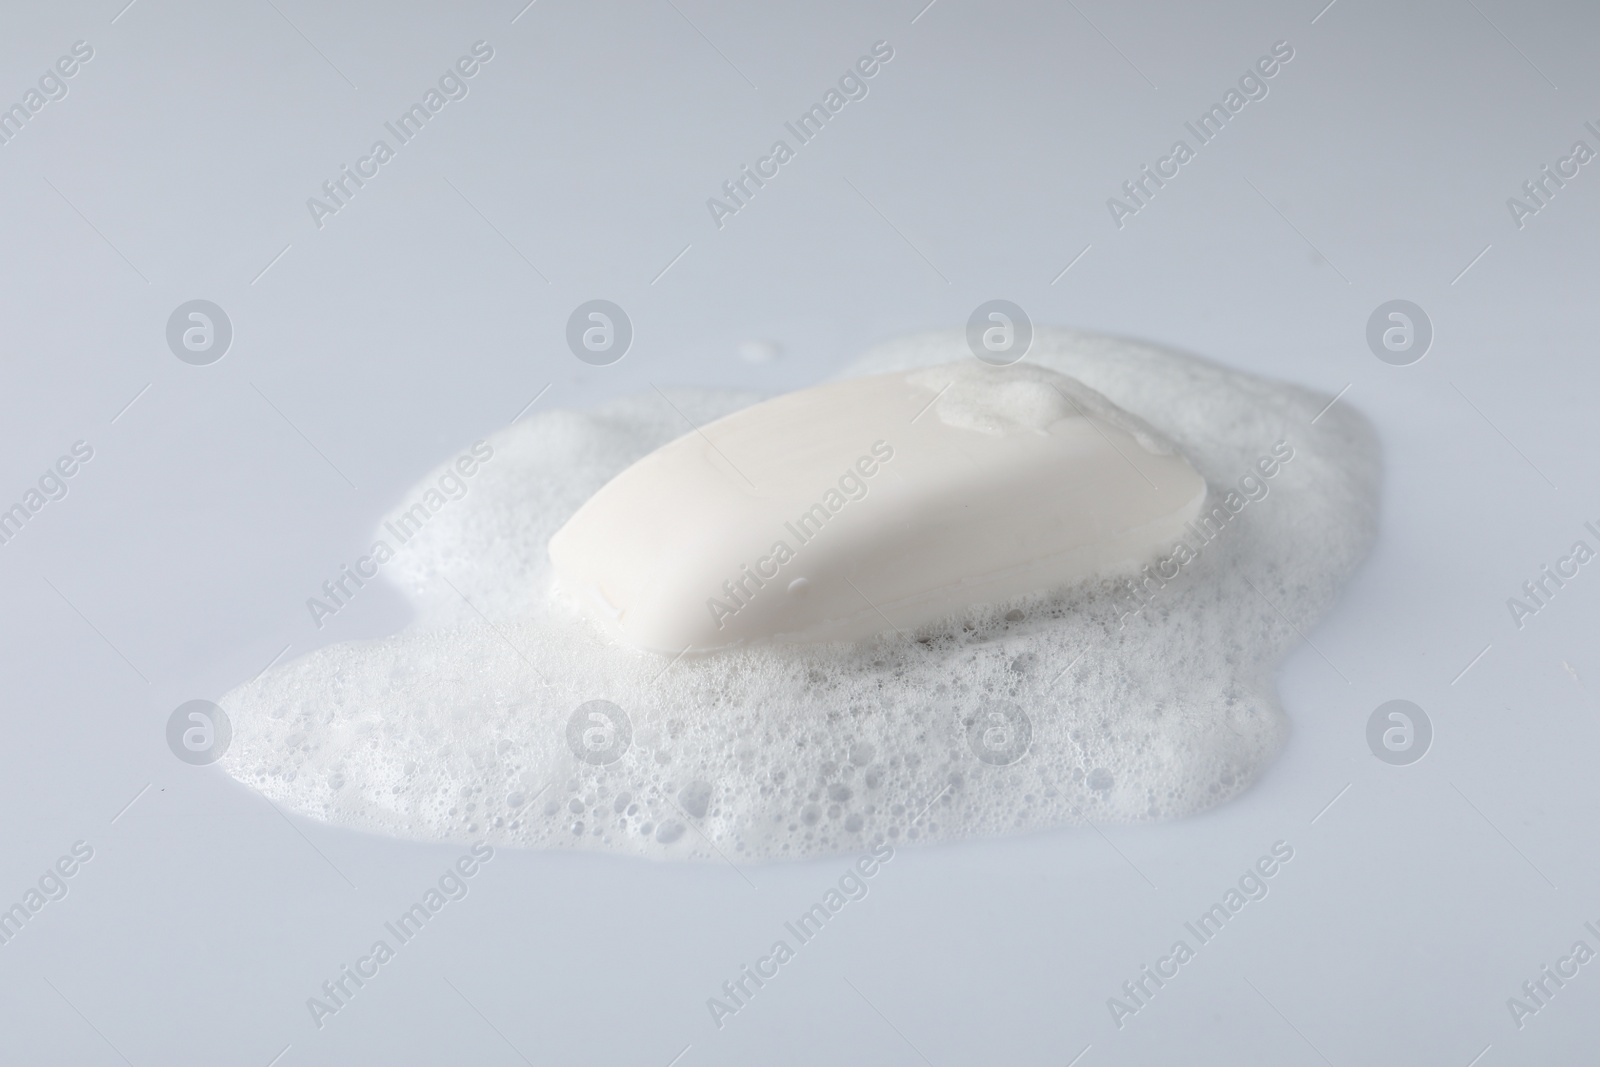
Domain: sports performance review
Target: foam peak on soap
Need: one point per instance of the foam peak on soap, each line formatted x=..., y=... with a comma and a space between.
x=1023, y=397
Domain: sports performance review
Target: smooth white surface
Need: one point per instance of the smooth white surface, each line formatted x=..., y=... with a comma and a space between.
x=392, y=338
x=838, y=512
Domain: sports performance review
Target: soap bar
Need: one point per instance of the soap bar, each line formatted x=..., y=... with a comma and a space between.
x=873, y=505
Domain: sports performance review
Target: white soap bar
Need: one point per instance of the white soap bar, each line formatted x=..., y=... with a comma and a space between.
x=871, y=505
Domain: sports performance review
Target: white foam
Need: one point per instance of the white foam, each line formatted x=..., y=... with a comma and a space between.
x=458, y=727
x=971, y=396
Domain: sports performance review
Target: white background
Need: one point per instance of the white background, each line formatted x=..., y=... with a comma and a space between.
x=416, y=320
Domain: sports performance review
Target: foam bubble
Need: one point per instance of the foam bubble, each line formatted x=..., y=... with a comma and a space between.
x=502, y=714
